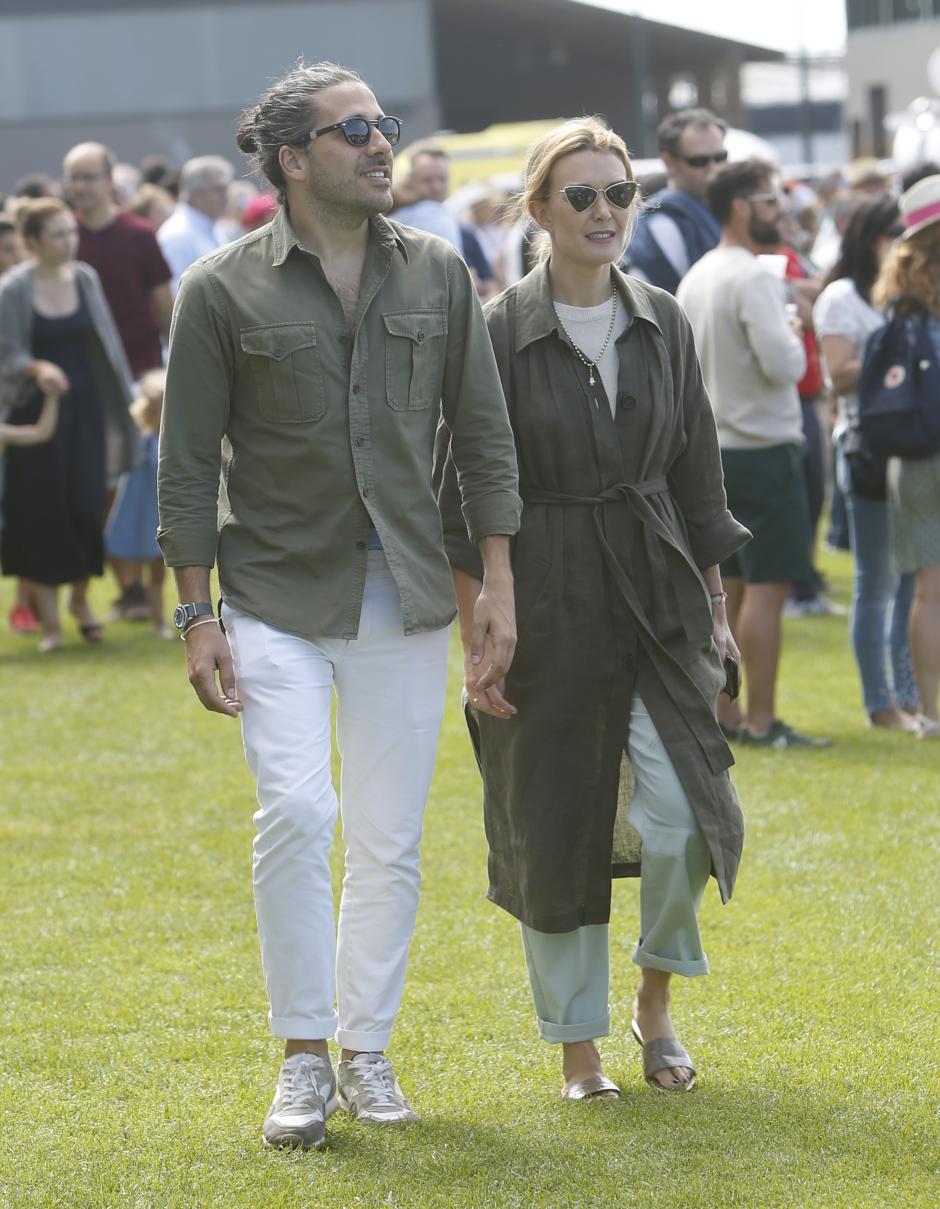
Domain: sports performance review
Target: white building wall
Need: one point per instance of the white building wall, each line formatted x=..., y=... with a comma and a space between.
x=894, y=57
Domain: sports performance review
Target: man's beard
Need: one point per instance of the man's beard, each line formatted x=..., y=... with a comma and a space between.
x=764, y=234
x=344, y=209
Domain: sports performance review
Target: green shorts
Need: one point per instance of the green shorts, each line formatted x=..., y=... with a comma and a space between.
x=767, y=493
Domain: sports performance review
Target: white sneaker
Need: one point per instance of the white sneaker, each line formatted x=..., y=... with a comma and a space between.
x=303, y=1099
x=369, y=1090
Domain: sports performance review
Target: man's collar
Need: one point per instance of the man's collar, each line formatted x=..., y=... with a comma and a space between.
x=535, y=309
x=285, y=237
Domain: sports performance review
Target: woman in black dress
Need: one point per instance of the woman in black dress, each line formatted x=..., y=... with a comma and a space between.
x=59, y=338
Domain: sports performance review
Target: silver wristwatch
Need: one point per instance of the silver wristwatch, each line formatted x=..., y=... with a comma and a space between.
x=183, y=614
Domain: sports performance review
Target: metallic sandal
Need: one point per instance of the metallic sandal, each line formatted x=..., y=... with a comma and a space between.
x=663, y=1053
x=597, y=1087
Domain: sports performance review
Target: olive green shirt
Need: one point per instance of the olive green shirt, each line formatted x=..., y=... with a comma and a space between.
x=322, y=432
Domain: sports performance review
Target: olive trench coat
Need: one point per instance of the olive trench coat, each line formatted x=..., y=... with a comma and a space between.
x=619, y=517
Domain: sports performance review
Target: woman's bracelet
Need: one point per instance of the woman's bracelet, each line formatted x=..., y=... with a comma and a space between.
x=719, y=597
x=194, y=625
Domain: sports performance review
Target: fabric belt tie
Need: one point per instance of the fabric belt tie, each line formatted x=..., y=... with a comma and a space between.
x=691, y=593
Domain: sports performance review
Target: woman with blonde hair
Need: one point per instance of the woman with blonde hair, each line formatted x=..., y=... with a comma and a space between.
x=622, y=631
x=910, y=276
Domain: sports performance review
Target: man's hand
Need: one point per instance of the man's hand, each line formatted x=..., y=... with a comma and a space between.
x=208, y=653
x=49, y=378
x=492, y=639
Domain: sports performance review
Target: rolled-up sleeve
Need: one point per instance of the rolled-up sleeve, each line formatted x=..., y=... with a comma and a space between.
x=696, y=479
x=195, y=417
x=474, y=408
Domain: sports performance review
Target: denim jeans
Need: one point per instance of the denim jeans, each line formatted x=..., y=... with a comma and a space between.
x=569, y=971
x=881, y=602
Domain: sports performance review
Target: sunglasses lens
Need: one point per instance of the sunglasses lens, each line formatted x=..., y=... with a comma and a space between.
x=390, y=128
x=621, y=195
x=357, y=131
x=580, y=197
x=702, y=161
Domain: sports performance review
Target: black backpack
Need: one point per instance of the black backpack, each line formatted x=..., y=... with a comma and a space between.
x=899, y=387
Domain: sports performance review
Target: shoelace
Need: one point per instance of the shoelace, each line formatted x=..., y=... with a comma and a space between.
x=377, y=1079
x=296, y=1085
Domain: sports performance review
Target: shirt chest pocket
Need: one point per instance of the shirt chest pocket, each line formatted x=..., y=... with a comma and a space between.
x=286, y=374
x=414, y=358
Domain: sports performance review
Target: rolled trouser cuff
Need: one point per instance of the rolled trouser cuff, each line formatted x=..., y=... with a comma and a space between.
x=300, y=1028
x=363, y=1043
x=688, y=969
x=557, y=1034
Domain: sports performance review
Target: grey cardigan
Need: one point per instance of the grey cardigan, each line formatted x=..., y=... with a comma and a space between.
x=106, y=356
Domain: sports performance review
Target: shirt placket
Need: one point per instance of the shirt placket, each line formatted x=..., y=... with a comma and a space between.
x=360, y=438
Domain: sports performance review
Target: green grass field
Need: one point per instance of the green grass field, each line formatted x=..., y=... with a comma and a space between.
x=136, y=1064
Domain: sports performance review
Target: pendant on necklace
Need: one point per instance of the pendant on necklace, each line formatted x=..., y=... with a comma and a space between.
x=591, y=378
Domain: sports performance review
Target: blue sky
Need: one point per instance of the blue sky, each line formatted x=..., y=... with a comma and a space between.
x=822, y=22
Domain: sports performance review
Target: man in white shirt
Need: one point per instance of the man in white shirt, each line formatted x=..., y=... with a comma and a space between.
x=752, y=358
x=191, y=230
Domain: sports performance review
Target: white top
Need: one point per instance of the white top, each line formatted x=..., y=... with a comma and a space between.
x=433, y=217
x=751, y=360
x=185, y=236
x=665, y=231
x=587, y=328
x=840, y=310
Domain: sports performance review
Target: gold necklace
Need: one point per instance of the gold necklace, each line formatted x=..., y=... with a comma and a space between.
x=592, y=365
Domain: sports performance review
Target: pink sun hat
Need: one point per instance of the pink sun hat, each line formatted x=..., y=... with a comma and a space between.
x=920, y=205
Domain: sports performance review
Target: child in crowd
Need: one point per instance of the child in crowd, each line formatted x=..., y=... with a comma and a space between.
x=131, y=531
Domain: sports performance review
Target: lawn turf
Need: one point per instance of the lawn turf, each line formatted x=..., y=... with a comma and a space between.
x=135, y=1062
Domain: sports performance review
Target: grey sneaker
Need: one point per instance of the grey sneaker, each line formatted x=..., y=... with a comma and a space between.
x=305, y=1096
x=369, y=1090
x=780, y=736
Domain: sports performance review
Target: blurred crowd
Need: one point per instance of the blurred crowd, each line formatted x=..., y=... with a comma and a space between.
x=81, y=415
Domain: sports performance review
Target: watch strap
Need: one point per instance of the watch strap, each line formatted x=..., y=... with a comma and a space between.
x=185, y=613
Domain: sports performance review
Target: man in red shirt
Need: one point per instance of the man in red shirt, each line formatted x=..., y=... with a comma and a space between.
x=136, y=281
x=124, y=251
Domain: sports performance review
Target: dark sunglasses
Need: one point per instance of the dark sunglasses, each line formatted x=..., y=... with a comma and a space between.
x=357, y=131
x=702, y=161
x=895, y=231
x=582, y=197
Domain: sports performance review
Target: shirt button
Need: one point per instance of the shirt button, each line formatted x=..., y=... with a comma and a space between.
x=360, y=441
x=365, y=493
x=344, y=339
x=356, y=389
x=360, y=545
x=420, y=337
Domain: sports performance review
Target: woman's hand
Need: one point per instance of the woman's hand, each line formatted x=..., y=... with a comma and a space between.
x=488, y=700
x=49, y=378
x=721, y=631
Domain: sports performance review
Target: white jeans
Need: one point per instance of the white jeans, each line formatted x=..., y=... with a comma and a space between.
x=390, y=702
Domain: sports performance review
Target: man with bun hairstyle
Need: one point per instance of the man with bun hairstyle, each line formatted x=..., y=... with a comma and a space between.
x=322, y=350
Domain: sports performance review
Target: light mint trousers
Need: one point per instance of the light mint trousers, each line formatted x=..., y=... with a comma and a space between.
x=570, y=971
